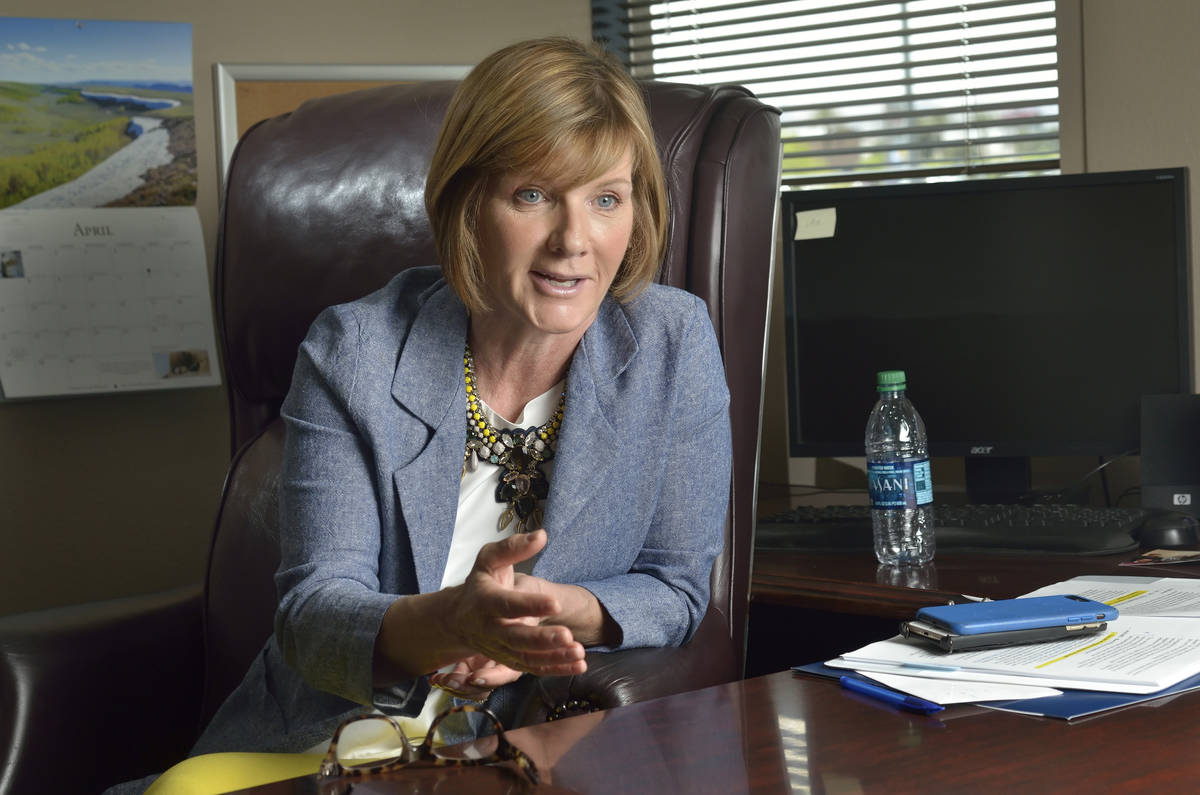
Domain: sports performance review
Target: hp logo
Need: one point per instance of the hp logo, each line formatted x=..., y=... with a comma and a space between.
x=1181, y=499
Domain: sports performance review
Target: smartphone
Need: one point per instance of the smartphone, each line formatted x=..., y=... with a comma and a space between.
x=950, y=642
x=1003, y=615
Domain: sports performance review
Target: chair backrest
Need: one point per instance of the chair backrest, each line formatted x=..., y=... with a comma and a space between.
x=326, y=204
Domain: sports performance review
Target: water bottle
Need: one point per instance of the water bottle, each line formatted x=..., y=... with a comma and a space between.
x=898, y=476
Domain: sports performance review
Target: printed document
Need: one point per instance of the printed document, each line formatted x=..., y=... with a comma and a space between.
x=1136, y=654
x=1134, y=596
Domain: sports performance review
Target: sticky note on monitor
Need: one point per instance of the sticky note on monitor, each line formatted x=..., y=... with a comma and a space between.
x=815, y=224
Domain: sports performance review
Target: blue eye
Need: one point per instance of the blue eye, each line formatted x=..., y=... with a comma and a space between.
x=606, y=202
x=529, y=195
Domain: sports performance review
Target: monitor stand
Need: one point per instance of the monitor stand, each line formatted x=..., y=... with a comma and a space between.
x=1000, y=479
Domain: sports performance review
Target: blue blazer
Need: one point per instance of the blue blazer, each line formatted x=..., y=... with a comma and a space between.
x=369, y=489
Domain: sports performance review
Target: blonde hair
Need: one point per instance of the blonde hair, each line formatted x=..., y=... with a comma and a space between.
x=546, y=106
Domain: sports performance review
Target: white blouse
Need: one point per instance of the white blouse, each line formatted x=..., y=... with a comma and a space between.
x=478, y=511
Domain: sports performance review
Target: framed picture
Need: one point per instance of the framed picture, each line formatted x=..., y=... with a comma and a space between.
x=249, y=93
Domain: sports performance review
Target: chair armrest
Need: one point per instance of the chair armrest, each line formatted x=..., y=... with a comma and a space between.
x=98, y=693
x=614, y=679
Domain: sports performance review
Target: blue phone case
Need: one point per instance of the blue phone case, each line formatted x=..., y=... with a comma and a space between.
x=1008, y=614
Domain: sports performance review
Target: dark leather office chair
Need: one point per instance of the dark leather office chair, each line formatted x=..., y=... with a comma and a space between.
x=324, y=205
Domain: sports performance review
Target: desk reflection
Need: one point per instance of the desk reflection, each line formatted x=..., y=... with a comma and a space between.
x=924, y=577
x=695, y=742
x=784, y=733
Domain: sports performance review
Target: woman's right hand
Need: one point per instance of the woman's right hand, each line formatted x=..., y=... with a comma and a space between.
x=511, y=626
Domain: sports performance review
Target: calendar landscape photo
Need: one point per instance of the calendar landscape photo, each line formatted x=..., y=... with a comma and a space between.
x=96, y=113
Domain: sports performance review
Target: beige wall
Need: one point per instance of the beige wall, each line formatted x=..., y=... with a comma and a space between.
x=114, y=495
x=1128, y=100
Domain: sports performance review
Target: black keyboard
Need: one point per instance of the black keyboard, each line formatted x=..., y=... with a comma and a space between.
x=1051, y=528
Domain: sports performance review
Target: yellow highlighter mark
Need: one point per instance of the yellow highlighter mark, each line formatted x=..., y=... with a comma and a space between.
x=1125, y=598
x=1105, y=639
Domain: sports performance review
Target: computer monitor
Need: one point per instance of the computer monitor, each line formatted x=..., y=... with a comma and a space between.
x=1030, y=314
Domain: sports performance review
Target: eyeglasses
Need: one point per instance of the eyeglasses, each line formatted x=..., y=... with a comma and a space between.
x=371, y=744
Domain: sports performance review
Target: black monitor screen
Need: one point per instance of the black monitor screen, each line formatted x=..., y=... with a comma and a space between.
x=1031, y=314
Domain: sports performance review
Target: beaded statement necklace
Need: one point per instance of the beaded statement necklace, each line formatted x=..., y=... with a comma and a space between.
x=519, y=452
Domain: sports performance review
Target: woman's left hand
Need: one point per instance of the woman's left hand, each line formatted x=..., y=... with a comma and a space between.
x=581, y=612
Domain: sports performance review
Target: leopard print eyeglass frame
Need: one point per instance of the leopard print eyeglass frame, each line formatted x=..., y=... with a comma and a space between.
x=423, y=754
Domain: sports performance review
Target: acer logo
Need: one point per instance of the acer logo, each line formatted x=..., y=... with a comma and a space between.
x=982, y=449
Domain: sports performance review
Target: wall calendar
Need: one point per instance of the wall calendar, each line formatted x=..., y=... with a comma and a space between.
x=103, y=300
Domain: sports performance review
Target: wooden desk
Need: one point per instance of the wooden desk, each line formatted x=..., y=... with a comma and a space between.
x=852, y=583
x=807, y=607
x=787, y=733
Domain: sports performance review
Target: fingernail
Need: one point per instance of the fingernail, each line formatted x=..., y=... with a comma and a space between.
x=478, y=682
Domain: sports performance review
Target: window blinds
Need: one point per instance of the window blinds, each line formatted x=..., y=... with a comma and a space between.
x=869, y=90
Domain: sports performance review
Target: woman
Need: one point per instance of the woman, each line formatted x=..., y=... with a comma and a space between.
x=413, y=540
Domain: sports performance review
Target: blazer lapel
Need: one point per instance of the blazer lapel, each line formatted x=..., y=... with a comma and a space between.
x=589, y=443
x=428, y=383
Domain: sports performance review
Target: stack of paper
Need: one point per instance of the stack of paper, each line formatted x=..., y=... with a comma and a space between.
x=1152, y=649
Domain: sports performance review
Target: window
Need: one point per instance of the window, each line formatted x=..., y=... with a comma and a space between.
x=869, y=91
